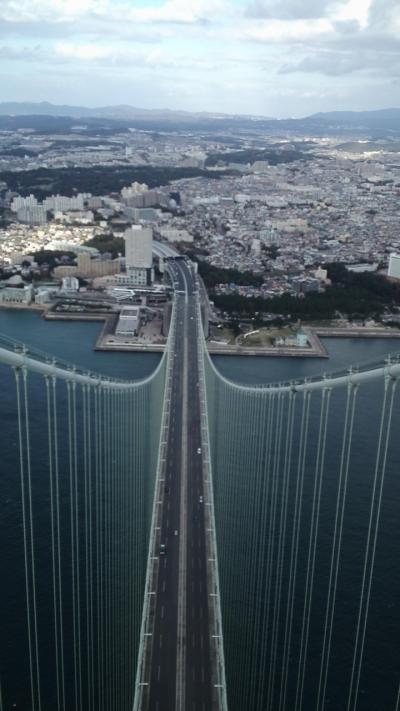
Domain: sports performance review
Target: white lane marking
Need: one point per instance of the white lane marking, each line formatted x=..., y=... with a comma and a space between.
x=162, y=612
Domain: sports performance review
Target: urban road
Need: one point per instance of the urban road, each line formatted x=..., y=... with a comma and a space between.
x=181, y=675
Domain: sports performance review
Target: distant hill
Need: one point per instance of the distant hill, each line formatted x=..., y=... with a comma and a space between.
x=380, y=119
x=121, y=112
x=384, y=123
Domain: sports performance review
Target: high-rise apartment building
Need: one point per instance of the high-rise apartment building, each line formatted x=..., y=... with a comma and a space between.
x=138, y=255
x=394, y=266
x=23, y=202
x=32, y=215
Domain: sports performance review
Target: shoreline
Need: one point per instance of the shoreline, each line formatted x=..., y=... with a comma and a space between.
x=315, y=333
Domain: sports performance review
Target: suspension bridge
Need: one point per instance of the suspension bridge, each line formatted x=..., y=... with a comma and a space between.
x=185, y=542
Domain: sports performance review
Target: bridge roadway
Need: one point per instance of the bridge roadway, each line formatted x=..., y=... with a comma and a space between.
x=180, y=676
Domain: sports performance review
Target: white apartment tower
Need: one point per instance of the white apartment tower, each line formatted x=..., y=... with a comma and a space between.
x=138, y=255
x=394, y=266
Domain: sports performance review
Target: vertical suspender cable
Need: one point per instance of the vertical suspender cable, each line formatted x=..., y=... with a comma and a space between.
x=96, y=549
x=281, y=542
x=72, y=525
x=264, y=578
x=112, y=553
x=397, y=707
x=27, y=544
x=88, y=685
x=31, y=535
x=58, y=539
x=314, y=525
x=107, y=549
x=269, y=402
x=257, y=543
x=295, y=540
x=252, y=419
x=76, y=509
x=269, y=567
x=372, y=536
x=90, y=444
x=337, y=541
x=53, y=543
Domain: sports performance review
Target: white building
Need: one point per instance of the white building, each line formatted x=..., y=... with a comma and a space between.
x=33, y=215
x=19, y=202
x=129, y=321
x=139, y=255
x=62, y=203
x=16, y=294
x=70, y=285
x=44, y=295
x=394, y=266
x=133, y=190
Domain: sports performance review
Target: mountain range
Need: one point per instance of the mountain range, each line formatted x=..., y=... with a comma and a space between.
x=386, y=121
x=120, y=112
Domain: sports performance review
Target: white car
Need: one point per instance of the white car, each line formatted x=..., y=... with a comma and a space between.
x=198, y=450
x=200, y=499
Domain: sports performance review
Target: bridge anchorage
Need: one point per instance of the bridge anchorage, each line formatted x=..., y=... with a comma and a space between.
x=187, y=543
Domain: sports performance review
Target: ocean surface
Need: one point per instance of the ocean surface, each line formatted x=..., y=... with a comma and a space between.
x=74, y=342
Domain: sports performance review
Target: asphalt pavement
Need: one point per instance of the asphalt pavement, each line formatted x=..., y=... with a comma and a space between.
x=181, y=634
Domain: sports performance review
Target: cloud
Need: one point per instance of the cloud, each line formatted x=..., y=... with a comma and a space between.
x=36, y=11
x=289, y=9
x=23, y=53
x=330, y=64
x=384, y=15
x=85, y=52
x=178, y=12
x=128, y=57
x=356, y=11
x=284, y=32
x=335, y=63
x=64, y=11
x=213, y=52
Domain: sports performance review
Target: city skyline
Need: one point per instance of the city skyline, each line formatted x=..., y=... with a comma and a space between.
x=258, y=57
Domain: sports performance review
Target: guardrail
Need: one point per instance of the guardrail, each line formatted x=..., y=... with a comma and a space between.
x=145, y=645
x=217, y=647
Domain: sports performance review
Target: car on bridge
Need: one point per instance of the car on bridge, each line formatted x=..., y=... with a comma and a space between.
x=163, y=549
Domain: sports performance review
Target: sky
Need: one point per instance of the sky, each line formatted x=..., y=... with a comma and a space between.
x=276, y=58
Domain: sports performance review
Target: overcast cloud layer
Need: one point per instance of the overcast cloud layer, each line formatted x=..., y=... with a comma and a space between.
x=267, y=57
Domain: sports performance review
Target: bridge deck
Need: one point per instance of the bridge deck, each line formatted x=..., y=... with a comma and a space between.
x=180, y=676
